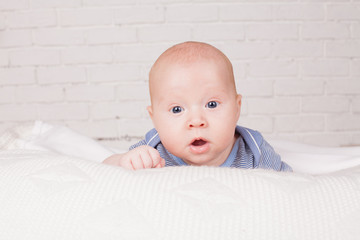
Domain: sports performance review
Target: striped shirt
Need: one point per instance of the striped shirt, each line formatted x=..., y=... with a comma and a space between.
x=250, y=151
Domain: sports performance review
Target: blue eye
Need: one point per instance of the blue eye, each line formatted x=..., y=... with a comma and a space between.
x=212, y=104
x=176, y=109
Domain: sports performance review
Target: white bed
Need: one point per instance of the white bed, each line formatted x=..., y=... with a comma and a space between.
x=52, y=186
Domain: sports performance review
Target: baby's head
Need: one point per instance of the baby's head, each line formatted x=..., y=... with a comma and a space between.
x=194, y=104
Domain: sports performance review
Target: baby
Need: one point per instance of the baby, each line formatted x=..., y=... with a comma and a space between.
x=195, y=109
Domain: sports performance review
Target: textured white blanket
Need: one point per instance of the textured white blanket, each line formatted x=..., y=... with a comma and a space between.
x=47, y=195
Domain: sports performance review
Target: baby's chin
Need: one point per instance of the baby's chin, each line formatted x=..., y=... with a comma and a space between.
x=202, y=160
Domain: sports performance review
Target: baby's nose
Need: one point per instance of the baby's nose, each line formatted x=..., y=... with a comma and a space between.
x=196, y=122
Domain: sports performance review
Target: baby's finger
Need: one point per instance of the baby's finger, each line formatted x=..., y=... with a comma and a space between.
x=146, y=159
x=155, y=156
x=161, y=164
x=137, y=163
x=126, y=163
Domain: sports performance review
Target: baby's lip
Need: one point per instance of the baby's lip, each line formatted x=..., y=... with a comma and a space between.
x=199, y=145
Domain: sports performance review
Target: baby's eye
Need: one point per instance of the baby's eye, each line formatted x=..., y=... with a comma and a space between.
x=212, y=104
x=177, y=109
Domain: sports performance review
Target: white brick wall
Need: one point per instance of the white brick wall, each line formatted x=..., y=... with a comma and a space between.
x=84, y=63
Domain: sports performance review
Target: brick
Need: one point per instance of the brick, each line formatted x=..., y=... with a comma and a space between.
x=191, y=13
x=247, y=50
x=114, y=73
x=14, y=4
x=5, y=126
x=2, y=21
x=356, y=105
x=24, y=94
x=256, y=88
x=251, y=12
x=328, y=30
x=356, y=140
x=107, y=2
x=219, y=31
x=343, y=86
x=86, y=17
x=111, y=35
x=300, y=123
x=119, y=144
x=272, y=31
x=327, y=139
x=55, y=3
x=7, y=94
x=4, y=59
x=12, y=112
x=356, y=30
x=343, y=122
x=139, y=91
x=139, y=53
x=325, y=104
x=119, y=110
x=273, y=105
x=55, y=36
x=238, y=69
x=93, y=54
x=30, y=57
x=15, y=38
x=328, y=67
x=294, y=87
x=293, y=49
x=343, y=49
x=95, y=129
x=273, y=68
x=90, y=93
x=17, y=76
x=284, y=136
x=139, y=14
x=263, y=124
x=304, y=12
x=138, y=127
x=160, y=33
x=355, y=67
x=54, y=75
x=38, y=18
x=63, y=111
x=343, y=11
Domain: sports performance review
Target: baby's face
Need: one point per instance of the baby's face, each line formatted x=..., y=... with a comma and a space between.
x=195, y=110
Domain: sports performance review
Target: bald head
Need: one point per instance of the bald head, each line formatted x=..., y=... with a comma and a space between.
x=186, y=54
x=189, y=52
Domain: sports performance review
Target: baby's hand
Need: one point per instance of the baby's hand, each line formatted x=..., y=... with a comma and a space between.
x=137, y=158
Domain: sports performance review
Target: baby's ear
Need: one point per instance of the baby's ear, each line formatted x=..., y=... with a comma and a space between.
x=238, y=100
x=150, y=111
x=238, y=103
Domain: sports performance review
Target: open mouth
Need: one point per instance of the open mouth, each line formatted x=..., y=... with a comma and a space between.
x=198, y=142
x=199, y=146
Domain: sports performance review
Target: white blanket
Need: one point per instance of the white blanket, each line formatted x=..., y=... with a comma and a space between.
x=47, y=195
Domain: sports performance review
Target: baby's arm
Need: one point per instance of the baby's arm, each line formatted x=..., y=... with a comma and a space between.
x=137, y=158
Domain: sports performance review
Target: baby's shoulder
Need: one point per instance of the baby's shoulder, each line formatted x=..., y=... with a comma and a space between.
x=250, y=135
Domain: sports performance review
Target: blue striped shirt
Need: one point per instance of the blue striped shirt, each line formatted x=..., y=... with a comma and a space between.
x=250, y=151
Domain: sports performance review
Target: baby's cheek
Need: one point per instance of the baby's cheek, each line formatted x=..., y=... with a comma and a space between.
x=171, y=138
